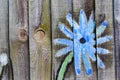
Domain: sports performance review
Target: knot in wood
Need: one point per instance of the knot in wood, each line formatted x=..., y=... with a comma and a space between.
x=22, y=35
x=39, y=35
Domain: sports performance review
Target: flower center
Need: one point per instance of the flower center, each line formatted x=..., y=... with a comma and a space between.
x=82, y=40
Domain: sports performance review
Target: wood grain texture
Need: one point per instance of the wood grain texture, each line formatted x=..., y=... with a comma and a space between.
x=88, y=7
x=40, y=46
x=31, y=24
x=18, y=32
x=4, y=34
x=117, y=36
x=34, y=20
x=59, y=10
x=104, y=10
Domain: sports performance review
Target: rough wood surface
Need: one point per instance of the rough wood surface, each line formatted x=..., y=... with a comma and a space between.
x=18, y=32
x=40, y=47
x=88, y=6
x=104, y=10
x=4, y=34
x=28, y=28
x=59, y=10
x=117, y=36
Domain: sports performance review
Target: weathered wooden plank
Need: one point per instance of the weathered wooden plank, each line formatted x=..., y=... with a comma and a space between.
x=103, y=10
x=4, y=35
x=88, y=7
x=18, y=33
x=40, y=47
x=34, y=20
x=117, y=36
x=59, y=10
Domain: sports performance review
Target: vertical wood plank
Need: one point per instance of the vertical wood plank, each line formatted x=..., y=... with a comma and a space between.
x=104, y=11
x=59, y=10
x=35, y=7
x=117, y=36
x=18, y=33
x=88, y=7
x=40, y=46
x=4, y=34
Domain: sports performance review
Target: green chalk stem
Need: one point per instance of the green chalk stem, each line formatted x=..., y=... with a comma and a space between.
x=67, y=60
x=1, y=67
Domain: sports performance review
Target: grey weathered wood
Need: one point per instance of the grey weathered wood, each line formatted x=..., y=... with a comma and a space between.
x=34, y=20
x=40, y=47
x=4, y=33
x=103, y=10
x=18, y=32
x=117, y=36
x=59, y=10
x=88, y=7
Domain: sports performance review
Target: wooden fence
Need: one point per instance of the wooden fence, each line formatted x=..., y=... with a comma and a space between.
x=28, y=29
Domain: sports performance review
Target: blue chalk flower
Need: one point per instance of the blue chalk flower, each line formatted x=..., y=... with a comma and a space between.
x=83, y=41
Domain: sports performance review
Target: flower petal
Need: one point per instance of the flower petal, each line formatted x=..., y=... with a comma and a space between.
x=103, y=39
x=91, y=52
x=102, y=51
x=64, y=51
x=92, y=36
x=66, y=31
x=100, y=63
x=72, y=22
x=101, y=28
x=87, y=63
x=82, y=20
x=63, y=41
x=91, y=24
x=91, y=42
x=77, y=59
